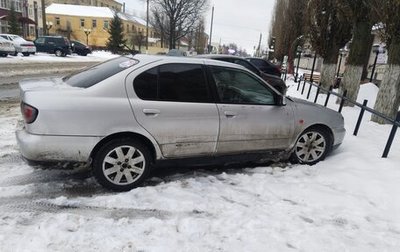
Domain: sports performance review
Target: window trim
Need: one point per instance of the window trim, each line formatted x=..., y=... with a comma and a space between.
x=210, y=91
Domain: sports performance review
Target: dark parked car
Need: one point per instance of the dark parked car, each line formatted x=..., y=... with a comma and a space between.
x=275, y=81
x=58, y=45
x=80, y=48
x=265, y=66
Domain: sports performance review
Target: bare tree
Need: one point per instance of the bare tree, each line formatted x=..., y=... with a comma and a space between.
x=362, y=21
x=288, y=24
x=174, y=19
x=330, y=30
x=388, y=99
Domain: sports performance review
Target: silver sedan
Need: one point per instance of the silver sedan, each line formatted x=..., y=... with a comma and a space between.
x=131, y=113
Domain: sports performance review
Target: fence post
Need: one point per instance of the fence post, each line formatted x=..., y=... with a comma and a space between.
x=309, y=90
x=342, y=101
x=328, y=95
x=316, y=96
x=360, y=117
x=391, y=137
x=298, y=85
x=304, y=85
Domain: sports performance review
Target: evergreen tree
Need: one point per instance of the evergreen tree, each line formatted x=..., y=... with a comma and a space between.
x=13, y=22
x=116, y=41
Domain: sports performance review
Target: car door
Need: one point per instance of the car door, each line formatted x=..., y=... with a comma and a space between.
x=174, y=104
x=251, y=118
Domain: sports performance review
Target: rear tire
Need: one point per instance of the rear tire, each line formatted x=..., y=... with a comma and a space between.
x=122, y=164
x=312, y=146
x=26, y=54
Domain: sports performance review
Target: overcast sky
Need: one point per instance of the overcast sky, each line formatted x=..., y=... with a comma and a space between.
x=235, y=21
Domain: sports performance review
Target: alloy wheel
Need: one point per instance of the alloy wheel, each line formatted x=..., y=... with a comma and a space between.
x=311, y=147
x=123, y=165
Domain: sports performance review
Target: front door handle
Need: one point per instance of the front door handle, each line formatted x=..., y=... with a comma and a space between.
x=230, y=114
x=151, y=112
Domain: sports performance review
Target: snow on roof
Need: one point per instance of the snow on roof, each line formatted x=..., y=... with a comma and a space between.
x=80, y=10
x=89, y=11
x=133, y=18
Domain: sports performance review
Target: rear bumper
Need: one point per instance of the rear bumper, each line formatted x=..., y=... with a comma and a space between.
x=27, y=49
x=45, y=148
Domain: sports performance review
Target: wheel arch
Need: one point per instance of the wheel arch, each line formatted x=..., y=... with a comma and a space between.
x=132, y=135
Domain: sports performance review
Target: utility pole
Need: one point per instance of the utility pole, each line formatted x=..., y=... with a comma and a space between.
x=44, y=29
x=147, y=27
x=259, y=46
x=211, y=28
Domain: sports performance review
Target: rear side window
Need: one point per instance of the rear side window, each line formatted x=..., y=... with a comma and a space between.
x=146, y=84
x=173, y=82
x=93, y=75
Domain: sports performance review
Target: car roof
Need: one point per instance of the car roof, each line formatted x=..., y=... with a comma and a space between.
x=144, y=58
x=216, y=56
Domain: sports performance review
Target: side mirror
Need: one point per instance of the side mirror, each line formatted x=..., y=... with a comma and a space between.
x=281, y=100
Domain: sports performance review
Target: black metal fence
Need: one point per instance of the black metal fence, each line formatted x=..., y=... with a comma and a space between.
x=343, y=98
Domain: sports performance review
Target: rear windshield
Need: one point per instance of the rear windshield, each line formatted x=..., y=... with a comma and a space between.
x=93, y=75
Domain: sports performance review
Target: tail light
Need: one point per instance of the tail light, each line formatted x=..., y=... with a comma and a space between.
x=29, y=113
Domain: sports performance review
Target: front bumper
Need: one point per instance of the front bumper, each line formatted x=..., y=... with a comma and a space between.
x=338, y=135
x=47, y=148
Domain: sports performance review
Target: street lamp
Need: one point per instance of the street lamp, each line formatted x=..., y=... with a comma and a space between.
x=49, y=24
x=376, y=49
x=342, y=52
x=87, y=33
x=299, y=49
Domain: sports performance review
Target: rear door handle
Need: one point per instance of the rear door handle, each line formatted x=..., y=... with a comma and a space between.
x=151, y=112
x=230, y=114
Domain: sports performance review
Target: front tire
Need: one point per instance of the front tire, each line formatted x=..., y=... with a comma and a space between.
x=312, y=146
x=122, y=164
x=58, y=53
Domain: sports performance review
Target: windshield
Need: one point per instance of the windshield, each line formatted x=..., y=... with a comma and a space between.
x=93, y=75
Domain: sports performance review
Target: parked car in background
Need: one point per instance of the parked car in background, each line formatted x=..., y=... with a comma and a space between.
x=265, y=66
x=125, y=115
x=6, y=47
x=274, y=80
x=80, y=48
x=21, y=45
x=176, y=52
x=58, y=45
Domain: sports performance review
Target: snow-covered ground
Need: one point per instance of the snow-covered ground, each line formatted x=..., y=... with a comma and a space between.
x=349, y=202
x=44, y=57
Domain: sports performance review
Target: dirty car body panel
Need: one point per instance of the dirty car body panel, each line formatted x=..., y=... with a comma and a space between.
x=177, y=107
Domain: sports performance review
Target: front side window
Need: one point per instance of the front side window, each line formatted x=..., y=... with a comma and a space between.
x=39, y=41
x=173, y=82
x=238, y=87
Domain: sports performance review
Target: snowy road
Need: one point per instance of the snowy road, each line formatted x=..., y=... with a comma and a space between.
x=349, y=202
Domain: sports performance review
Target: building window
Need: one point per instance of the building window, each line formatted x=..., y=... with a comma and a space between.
x=3, y=26
x=82, y=22
x=94, y=23
x=3, y=4
x=17, y=5
x=127, y=28
x=57, y=21
x=106, y=24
